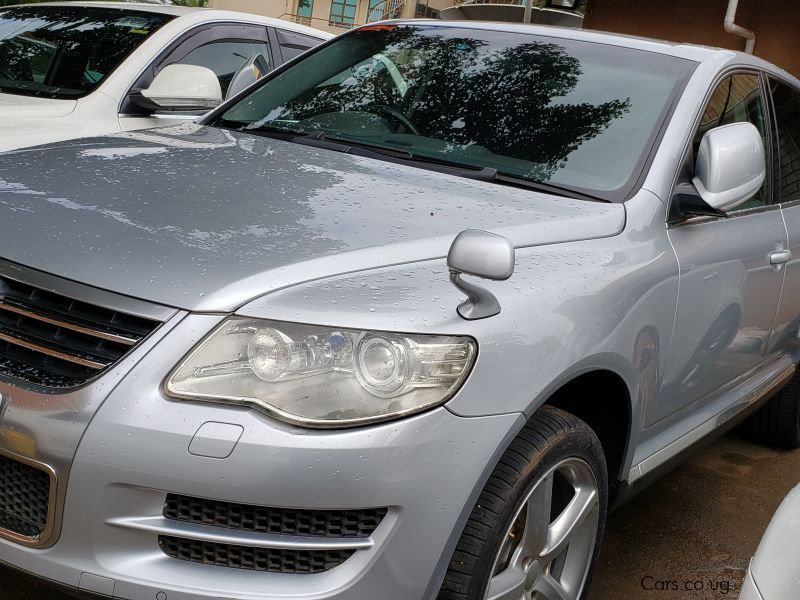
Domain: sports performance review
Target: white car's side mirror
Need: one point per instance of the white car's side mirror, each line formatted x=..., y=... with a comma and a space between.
x=730, y=165
x=185, y=87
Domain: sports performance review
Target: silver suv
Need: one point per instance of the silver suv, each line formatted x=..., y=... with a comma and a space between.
x=401, y=321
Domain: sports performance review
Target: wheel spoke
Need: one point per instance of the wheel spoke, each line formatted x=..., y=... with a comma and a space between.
x=508, y=585
x=550, y=589
x=568, y=522
x=537, y=518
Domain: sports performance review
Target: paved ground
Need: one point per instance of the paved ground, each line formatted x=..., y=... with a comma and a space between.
x=695, y=528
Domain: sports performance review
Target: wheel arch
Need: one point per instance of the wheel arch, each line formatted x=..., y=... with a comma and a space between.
x=611, y=417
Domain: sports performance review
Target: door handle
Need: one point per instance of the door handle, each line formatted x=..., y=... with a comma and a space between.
x=780, y=257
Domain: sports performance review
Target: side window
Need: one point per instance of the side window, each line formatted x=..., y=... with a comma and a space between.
x=786, y=101
x=224, y=57
x=737, y=99
x=294, y=44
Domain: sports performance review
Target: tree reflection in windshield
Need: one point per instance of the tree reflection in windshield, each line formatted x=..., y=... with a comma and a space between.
x=522, y=104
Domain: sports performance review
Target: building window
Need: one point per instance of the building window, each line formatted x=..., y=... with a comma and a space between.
x=425, y=12
x=343, y=13
x=304, y=10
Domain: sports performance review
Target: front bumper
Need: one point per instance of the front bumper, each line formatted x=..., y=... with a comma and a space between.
x=427, y=470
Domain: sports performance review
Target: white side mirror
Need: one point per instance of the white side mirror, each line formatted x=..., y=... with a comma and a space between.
x=730, y=166
x=185, y=87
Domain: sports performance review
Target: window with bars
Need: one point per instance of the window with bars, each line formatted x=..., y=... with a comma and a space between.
x=343, y=13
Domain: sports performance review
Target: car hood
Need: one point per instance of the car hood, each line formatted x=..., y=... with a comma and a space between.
x=13, y=107
x=208, y=219
x=26, y=120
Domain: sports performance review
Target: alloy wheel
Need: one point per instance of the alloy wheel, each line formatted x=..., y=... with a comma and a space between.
x=547, y=551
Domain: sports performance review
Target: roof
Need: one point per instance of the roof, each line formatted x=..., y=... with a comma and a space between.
x=167, y=9
x=195, y=13
x=686, y=51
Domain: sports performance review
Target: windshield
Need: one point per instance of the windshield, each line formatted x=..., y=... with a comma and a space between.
x=65, y=51
x=575, y=114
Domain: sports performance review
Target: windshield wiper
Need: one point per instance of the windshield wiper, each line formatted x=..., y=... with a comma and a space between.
x=547, y=188
x=319, y=139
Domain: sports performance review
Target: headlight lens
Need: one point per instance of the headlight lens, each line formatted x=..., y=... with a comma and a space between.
x=321, y=376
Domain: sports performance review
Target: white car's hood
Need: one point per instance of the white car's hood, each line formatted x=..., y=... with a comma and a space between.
x=29, y=121
x=17, y=107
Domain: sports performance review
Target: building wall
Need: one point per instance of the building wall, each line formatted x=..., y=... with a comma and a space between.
x=776, y=23
x=267, y=8
x=321, y=10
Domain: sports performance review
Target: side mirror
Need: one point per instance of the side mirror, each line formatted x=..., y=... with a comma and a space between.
x=484, y=255
x=250, y=71
x=185, y=88
x=730, y=165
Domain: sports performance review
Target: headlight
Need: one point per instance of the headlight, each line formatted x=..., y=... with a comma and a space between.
x=321, y=376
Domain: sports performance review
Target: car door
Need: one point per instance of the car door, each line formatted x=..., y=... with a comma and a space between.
x=220, y=47
x=728, y=289
x=786, y=118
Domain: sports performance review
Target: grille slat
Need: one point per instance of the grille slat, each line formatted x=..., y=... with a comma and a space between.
x=330, y=524
x=58, y=342
x=74, y=310
x=72, y=326
x=253, y=559
x=353, y=523
x=28, y=344
x=24, y=498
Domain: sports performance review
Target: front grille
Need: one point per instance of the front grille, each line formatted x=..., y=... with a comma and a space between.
x=357, y=523
x=24, y=498
x=354, y=524
x=57, y=342
x=274, y=560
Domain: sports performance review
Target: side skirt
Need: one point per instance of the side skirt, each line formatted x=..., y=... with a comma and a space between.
x=664, y=460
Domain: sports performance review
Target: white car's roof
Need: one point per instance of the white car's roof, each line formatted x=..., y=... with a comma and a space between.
x=198, y=15
x=167, y=9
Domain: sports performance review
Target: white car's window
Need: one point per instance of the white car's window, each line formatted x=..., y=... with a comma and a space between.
x=569, y=113
x=787, y=116
x=737, y=99
x=66, y=51
x=225, y=57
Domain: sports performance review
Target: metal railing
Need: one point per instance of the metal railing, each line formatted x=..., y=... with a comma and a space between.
x=388, y=9
x=316, y=21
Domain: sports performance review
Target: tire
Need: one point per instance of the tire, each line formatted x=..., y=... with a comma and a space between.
x=777, y=423
x=555, y=452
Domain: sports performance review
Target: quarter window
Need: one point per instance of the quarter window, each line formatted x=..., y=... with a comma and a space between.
x=737, y=99
x=787, y=122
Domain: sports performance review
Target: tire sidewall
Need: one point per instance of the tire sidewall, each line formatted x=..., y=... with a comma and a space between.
x=583, y=445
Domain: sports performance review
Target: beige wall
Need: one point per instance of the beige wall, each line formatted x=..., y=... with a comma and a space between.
x=268, y=8
x=776, y=23
x=321, y=10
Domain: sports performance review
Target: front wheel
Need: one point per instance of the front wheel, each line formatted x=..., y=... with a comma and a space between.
x=536, y=529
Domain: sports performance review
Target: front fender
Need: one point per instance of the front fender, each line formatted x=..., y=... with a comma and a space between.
x=568, y=308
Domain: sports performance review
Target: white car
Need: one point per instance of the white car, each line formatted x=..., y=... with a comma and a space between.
x=773, y=572
x=74, y=69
